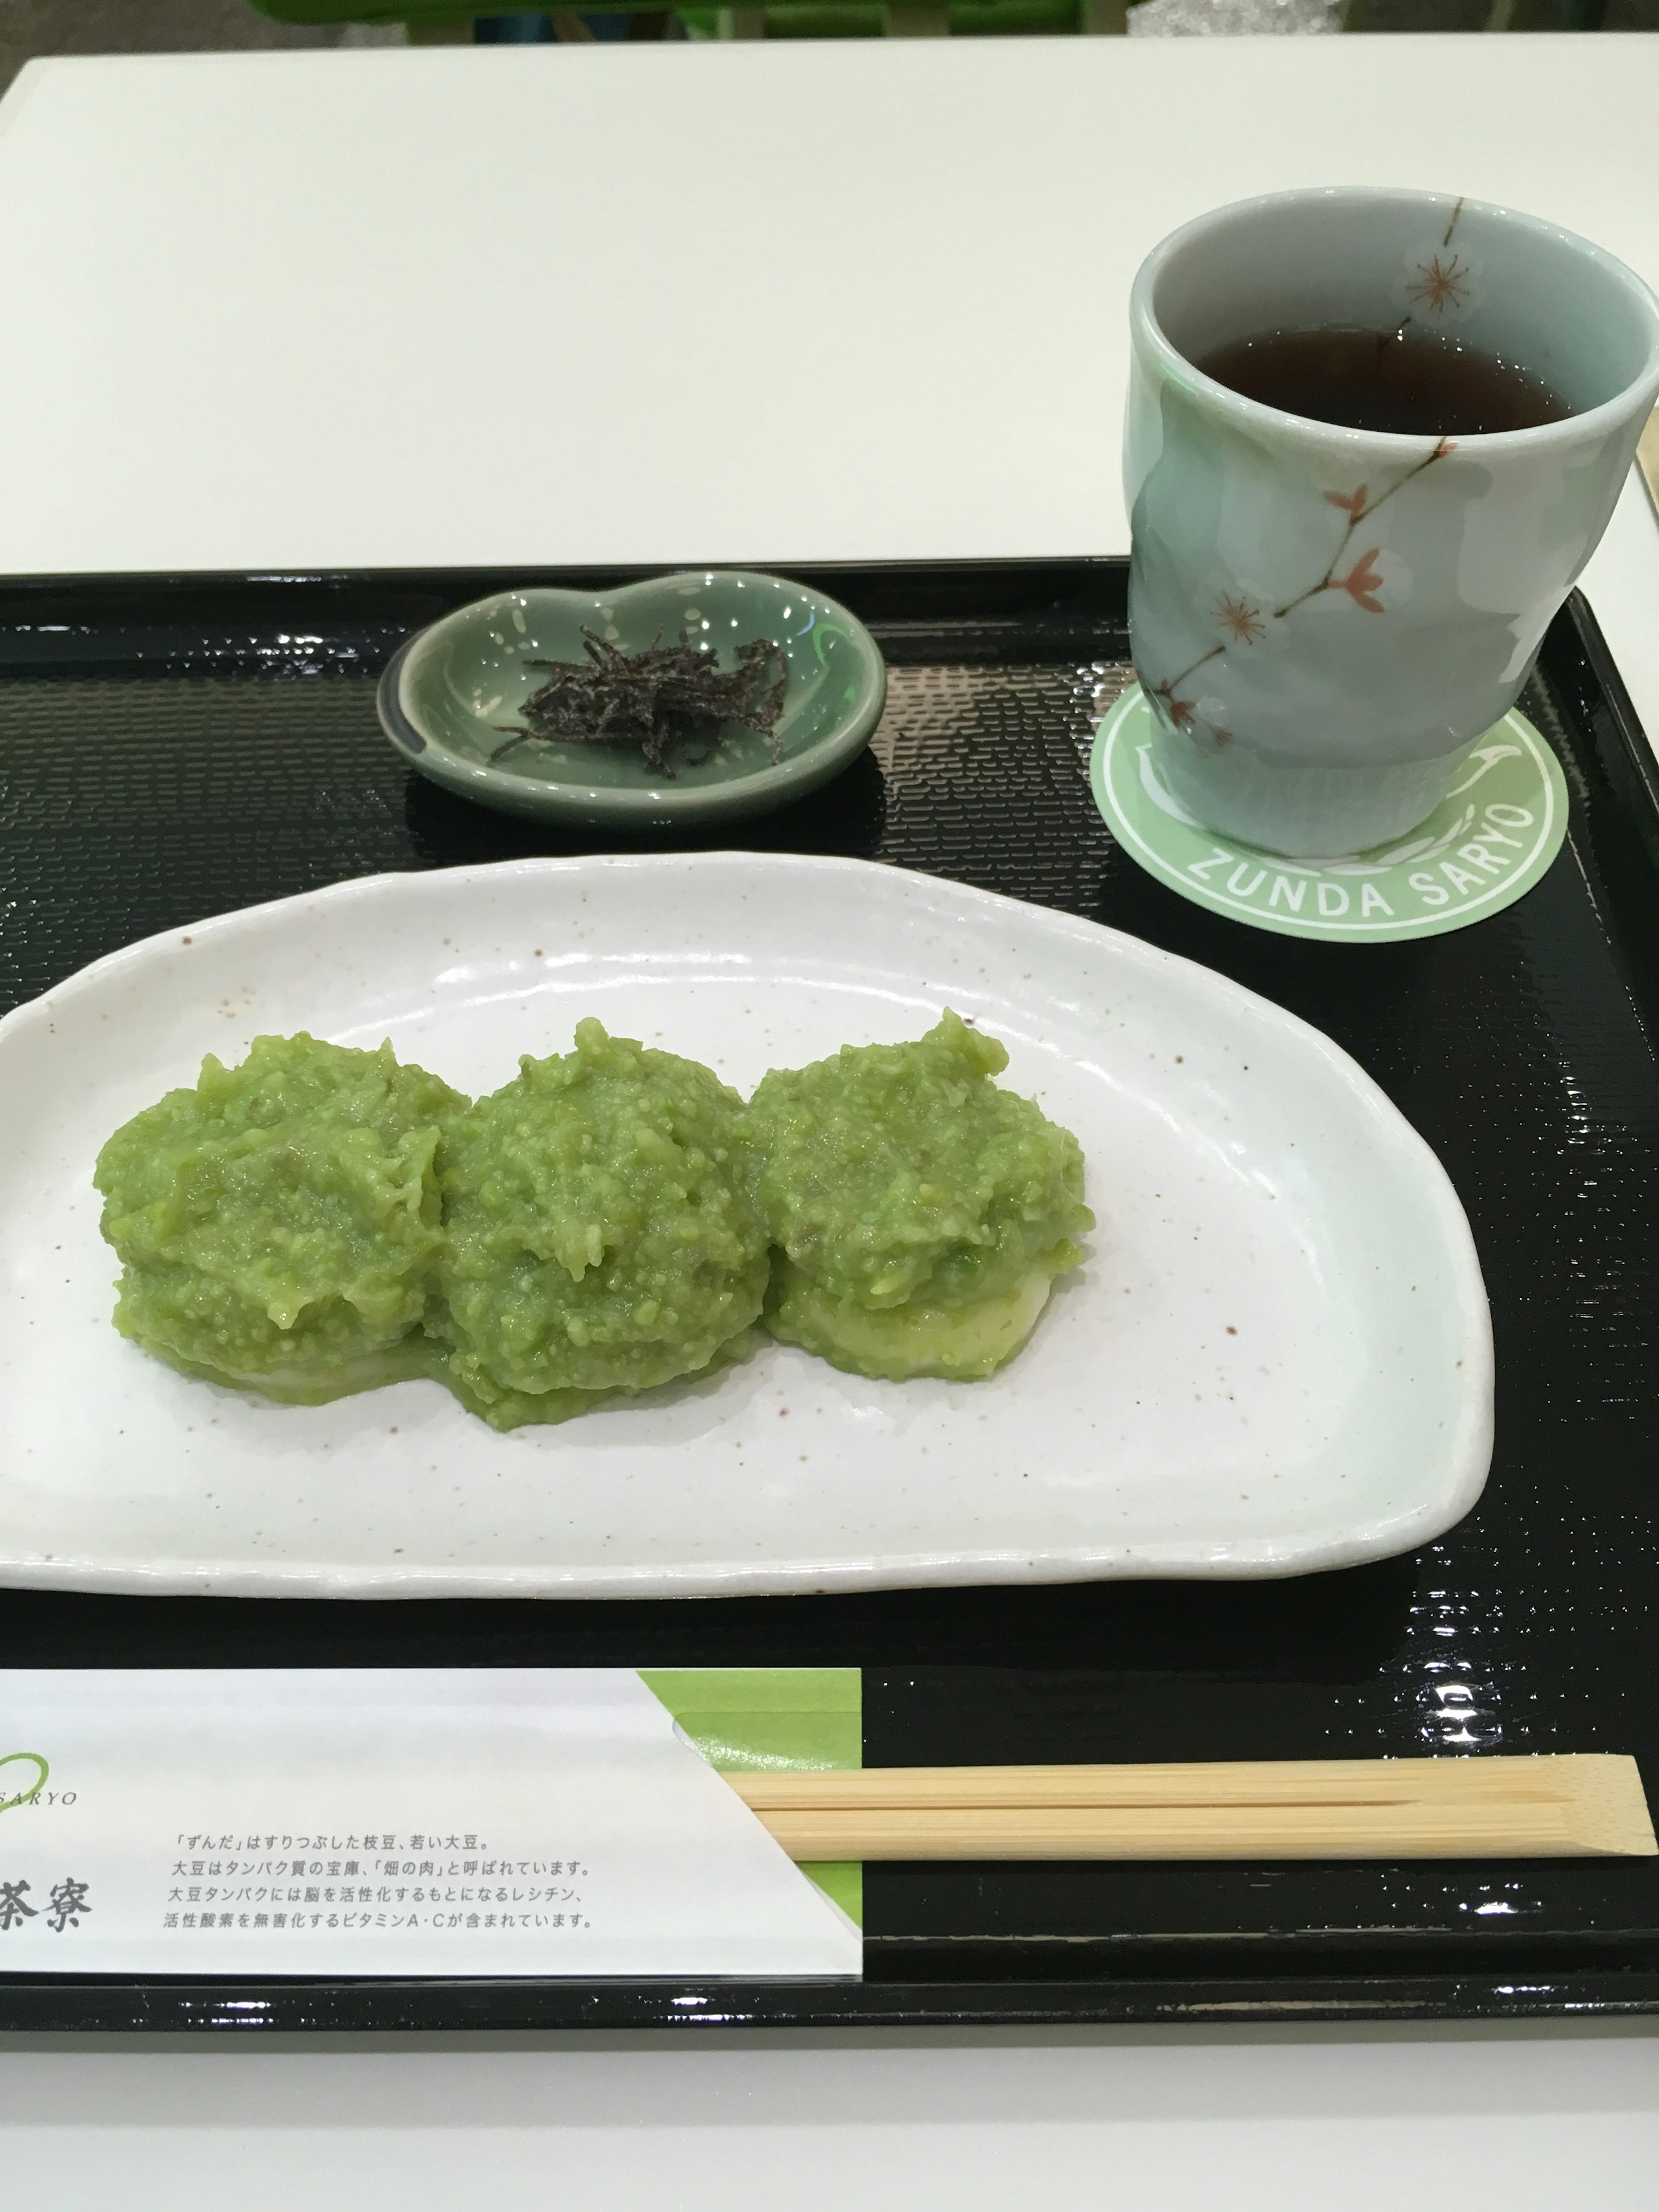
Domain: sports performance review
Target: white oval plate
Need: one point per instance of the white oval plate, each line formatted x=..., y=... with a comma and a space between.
x=1277, y=1357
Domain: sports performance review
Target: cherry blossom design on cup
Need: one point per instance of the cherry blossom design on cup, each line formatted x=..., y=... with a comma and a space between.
x=1443, y=281
x=1327, y=618
x=1439, y=278
x=1245, y=625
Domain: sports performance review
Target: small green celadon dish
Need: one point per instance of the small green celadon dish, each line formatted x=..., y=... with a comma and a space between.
x=450, y=699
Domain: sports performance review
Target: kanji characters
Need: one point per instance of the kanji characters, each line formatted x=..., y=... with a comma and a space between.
x=12, y=1910
x=68, y=1901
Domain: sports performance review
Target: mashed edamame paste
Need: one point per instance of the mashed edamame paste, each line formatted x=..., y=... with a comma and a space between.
x=279, y=1225
x=600, y=1231
x=320, y=1219
x=921, y=1213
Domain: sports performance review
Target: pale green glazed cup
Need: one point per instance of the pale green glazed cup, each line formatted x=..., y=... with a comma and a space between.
x=1326, y=619
x=451, y=696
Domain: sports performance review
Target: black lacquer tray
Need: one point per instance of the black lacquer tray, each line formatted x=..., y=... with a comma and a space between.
x=172, y=747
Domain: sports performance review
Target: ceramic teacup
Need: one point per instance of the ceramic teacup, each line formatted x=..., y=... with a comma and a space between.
x=1326, y=619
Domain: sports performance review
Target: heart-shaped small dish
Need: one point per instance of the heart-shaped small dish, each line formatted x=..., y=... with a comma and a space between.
x=451, y=698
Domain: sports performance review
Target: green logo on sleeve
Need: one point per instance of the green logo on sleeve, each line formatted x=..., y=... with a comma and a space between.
x=11, y=1798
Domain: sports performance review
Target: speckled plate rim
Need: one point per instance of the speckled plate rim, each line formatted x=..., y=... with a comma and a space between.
x=153, y=992
x=539, y=799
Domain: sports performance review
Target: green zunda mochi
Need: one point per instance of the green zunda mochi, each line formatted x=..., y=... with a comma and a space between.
x=319, y=1220
x=921, y=1213
x=600, y=1232
x=279, y=1225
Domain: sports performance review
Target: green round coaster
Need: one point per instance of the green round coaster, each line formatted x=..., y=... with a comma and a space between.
x=1489, y=840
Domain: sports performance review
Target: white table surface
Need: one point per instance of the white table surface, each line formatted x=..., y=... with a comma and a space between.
x=786, y=302
x=826, y=301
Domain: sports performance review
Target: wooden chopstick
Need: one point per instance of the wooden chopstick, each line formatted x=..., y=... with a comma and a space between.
x=1562, y=1806
x=1647, y=455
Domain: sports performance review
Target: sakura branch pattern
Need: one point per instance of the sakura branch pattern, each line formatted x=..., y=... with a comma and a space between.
x=1246, y=625
x=1442, y=282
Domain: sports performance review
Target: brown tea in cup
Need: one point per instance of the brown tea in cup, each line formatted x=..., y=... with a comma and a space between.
x=1412, y=382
